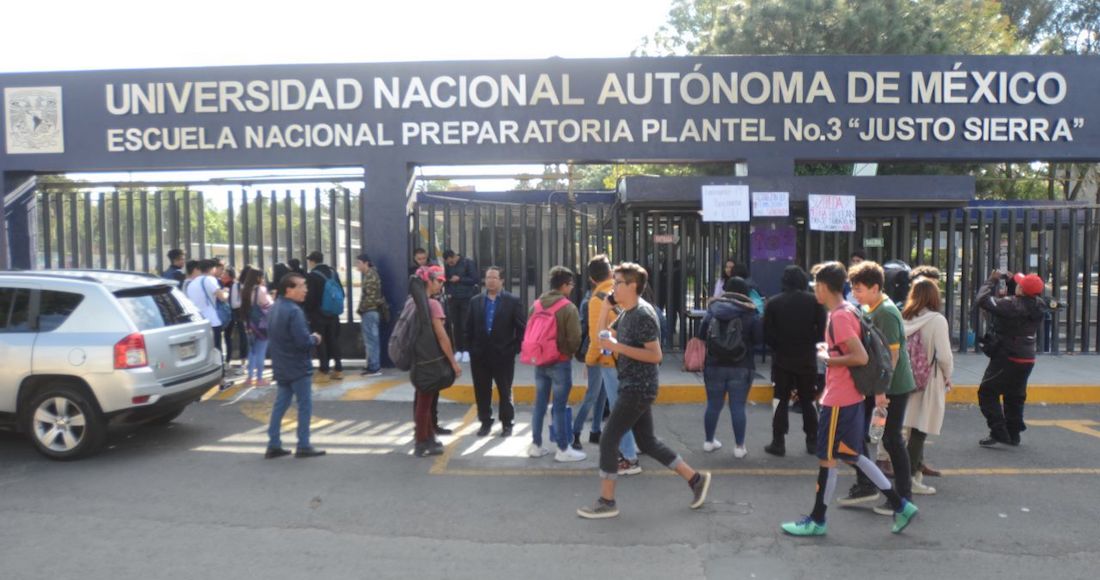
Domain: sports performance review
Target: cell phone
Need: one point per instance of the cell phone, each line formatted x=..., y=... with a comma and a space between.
x=611, y=299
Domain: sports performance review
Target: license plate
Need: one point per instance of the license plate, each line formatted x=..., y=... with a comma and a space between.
x=188, y=350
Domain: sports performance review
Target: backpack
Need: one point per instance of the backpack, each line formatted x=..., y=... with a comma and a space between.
x=874, y=377
x=540, y=340
x=918, y=360
x=400, y=347
x=695, y=355
x=726, y=341
x=332, y=298
x=257, y=317
x=430, y=370
x=757, y=300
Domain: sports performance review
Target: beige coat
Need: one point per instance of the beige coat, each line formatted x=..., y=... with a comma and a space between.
x=925, y=408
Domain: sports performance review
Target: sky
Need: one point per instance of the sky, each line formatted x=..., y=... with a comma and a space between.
x=51, y=35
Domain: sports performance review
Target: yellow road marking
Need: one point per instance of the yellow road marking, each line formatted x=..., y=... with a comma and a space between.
x=1082, y=426
x=440, y=464
x=371, y=392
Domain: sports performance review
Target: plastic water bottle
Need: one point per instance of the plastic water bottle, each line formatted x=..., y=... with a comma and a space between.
x=604, y=334
x=878, y=424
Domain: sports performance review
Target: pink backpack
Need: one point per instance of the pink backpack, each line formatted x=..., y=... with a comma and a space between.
x=540, y=340
x=918, y=360
x=695, y=355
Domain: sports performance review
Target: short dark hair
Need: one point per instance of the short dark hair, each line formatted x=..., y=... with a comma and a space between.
x=175, y=254
x=599, y=268
x=365, y=258
x=832, y=275
x=740, y=271
x=633, y=274
x=737, y=285
x=316, y=257
x=867, y=273
x=448, y=254
x=559, y=276
x=191, y=266
x=794, y=278
x=231, y=272
x=925, y=272
x=287, y=281
x=497, y=269
x=858, y=253
x=207, y=265
x=420, y=251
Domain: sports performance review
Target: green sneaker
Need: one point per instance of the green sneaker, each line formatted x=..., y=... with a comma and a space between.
x=804, y=527
x=904, y=516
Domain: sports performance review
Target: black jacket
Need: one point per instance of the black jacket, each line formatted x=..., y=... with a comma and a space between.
x=315, y=281
x=509, y=322
x=1014, y=321
x=466, y=287
x=793, y=325
x=729, y=307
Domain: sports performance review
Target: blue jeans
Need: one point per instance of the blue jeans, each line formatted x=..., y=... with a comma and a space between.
x=257, y=352
x=721, y=381
x=595, y=395
x=610, y=376
x=301, y=389
x=369, y=326
x=558, y=377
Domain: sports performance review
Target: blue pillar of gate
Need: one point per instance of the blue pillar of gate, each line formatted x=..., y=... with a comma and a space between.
x=766, y=265
x=16, y=243
x=384, y=233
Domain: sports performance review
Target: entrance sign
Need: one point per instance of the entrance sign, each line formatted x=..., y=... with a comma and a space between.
x=832, y=213
x=771, y=204
x=873, y=242
x=725, y=203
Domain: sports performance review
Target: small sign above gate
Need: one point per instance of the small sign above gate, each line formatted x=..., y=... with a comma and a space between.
x=666, y=239
x=872, y=242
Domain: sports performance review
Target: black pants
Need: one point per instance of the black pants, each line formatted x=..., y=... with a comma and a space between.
x=329, y=329
x=458, y=310
x=1004, y=379
x=632, y=412
x=487, y=369
x=235, y=328
x=893, y=442
x=803, y=383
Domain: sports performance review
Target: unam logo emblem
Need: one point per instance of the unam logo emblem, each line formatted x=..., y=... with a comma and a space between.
x=33, y=119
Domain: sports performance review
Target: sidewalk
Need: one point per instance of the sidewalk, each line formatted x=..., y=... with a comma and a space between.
x=1057, y=379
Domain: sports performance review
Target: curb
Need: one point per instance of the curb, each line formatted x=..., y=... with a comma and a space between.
x=679, y=394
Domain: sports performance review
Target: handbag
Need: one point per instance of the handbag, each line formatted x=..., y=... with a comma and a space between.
x=695, y=355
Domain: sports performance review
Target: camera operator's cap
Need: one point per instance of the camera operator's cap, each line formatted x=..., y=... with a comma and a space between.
x=1031, y=284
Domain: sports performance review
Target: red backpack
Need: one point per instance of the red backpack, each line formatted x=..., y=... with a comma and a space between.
x=540, y=340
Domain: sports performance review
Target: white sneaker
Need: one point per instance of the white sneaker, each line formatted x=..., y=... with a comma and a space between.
x=740, y=451
x=465, y=356
x=709, y=446
x=919, y=488
x=536, y=451
x=569, y=455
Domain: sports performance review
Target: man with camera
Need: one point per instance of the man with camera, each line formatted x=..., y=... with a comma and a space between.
x=1014, y=318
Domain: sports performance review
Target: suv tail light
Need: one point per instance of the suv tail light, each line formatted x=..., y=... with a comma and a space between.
x=130, y=352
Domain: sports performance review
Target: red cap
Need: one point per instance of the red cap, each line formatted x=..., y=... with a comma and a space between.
x=1030, y=284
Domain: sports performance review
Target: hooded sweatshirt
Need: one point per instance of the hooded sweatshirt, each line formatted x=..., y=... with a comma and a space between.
x=568, y=319
x=733, y=305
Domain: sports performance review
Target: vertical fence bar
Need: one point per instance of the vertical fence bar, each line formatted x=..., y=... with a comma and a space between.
x=952, y=261
x=524, y=294
x=348, y=255
x=145, y=231
x=74, y=229
x=1028, y=226
x=1072, y=235
x=1044, y=256
x=59, y=219
x=447, y=239
x=129, y=225
x=232, y=228
x=303, y=225
x=318, y=242
x=288, y=215
x=245, y=234
x=116, y=230
x=334, y=233
x=187, y=225
x=1086, y=280
x=540, y=249
x=102, y=231
x=259, y=201
x=1056, y=282
x=1012, y=253
x=508, y=270
x=173, y=223
x=200, y=200
x=87, y=201
x=274, y=227
x=964, y=278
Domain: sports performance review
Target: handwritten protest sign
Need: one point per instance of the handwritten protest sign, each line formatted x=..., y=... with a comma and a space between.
x=725, y=203
x=771, y=204
x=832, y=213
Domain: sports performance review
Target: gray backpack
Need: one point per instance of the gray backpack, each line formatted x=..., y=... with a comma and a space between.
x=874, y=377
x=405, y=330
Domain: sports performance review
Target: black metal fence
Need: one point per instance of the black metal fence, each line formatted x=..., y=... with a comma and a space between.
x=133, y=228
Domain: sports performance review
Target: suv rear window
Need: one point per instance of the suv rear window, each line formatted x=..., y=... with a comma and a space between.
x=15, y=307
x=55, y=307
x=152, y=308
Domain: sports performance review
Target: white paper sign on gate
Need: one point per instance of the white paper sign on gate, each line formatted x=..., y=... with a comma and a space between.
x=832, y=213
x=771, y=204
x=725, y=203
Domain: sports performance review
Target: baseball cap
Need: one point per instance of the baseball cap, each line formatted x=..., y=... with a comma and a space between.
x=427, y=273
x=1030, y=284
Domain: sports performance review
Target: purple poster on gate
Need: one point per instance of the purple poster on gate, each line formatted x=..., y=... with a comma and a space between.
x=773, y=242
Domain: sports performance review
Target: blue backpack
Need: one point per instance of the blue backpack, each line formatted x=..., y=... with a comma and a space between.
x=332, y=299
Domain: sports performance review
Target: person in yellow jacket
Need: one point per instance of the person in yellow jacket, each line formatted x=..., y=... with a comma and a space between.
x=603, y=378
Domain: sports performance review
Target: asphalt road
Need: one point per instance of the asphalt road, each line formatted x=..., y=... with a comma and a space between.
x=195, y=499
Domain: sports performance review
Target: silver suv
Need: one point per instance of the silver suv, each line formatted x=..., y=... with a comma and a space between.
x=82, y=349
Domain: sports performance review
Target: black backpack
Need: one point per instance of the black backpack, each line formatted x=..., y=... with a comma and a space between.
x=726, y=341
x=582, y=350
x=405, y=331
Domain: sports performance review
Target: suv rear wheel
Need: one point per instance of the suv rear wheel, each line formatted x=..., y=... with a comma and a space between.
x=64, y=424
